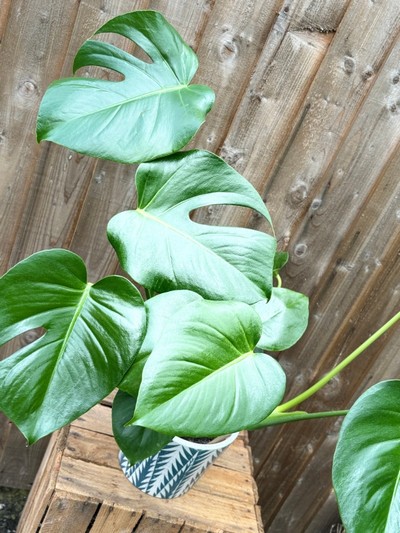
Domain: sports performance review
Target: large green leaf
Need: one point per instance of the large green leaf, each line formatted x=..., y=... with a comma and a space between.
x=284, y=318
x=136, y=442
x=203, y=378
x=160, y=312
x=92, y=335
x=366, y=466
x=152, y=112
x=163, y=249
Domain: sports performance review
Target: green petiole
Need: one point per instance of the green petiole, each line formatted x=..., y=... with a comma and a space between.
x=322, y=382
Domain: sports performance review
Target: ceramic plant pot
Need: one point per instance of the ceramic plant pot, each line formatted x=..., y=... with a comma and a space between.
x=175, y=469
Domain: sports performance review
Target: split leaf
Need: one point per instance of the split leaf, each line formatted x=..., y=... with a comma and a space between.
x=163, y=249
x=92, y=334
x=152, y=112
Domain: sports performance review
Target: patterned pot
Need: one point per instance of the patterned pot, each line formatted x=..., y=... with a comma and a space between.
x=175, y=469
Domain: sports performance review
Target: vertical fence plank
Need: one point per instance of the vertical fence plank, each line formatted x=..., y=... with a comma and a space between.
x=4, y=13
x=275, y=90
x=363, y=250
x=30, y=54
x=343, y=81
x=189, y=18
x=230, y=47
x=43, y=30
x=63, y=181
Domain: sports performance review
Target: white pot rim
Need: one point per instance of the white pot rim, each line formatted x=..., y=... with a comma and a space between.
x=212, y=446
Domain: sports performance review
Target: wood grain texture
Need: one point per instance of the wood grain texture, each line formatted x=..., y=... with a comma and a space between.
x=307, y=108
x=87, y=485
x=67, y=187
x=335, y=96
x=4, y=14
x=204, y=509
x=230, y=47
x=68, y=513
x=30, y=66
x=41, y=493
x=113, y=517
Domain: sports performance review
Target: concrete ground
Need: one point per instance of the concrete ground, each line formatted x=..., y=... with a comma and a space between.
x=12, y=502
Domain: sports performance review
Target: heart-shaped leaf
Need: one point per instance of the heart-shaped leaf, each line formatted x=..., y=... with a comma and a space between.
x=284, y=319
x=136, y=442
x=160, y=312
x=203, y=379
x=163, y=249
x=366, y=466
x=93, y=333
x=152, y=112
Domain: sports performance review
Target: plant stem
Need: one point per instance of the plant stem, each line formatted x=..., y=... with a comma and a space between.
x=276, y=417
x=148, y=293
x=317, y=386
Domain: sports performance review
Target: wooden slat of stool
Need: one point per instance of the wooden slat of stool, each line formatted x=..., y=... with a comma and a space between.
x=68, y=512
x=81, y=488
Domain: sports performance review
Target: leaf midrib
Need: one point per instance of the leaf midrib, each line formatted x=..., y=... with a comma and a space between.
x=70, y=329
x=191, y=239
x=166, y=90
x=235, y=361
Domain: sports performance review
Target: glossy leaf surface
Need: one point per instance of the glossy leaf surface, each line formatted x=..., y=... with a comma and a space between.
x=284, y=319
x=136, y=442
x=93, y=333
x=160, y=312
x=366, y=467
x=203, y=379
x=163, y=249
x=152, y=112
x=281, y=258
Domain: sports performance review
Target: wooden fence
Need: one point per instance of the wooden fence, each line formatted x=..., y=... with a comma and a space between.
x=308, y=109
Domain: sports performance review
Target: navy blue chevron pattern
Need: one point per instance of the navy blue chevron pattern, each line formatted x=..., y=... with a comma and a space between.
x=171, y=472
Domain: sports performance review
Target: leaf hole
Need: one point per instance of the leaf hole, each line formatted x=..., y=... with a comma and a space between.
x=108, y=74
x=125, y=44
x=21, y=340
x=100, y=73
x=230, y=216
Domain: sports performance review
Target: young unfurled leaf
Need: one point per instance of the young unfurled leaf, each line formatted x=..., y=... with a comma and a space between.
x=280, y=260
x=284, y=319
x=152, y=112
x=93, y=333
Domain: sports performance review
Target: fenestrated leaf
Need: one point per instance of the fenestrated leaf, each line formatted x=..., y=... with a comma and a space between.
x=136, y=442
x=161, y=248
x=284, y=319
x=203, y=378
x=160, y=312
x=152, y=112
x=366, y=465
x=93, y=333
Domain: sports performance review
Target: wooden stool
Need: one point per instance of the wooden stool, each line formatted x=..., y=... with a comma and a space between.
x=80, y=488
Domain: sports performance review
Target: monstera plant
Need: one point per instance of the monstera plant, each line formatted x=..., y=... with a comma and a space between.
x=189, y=359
